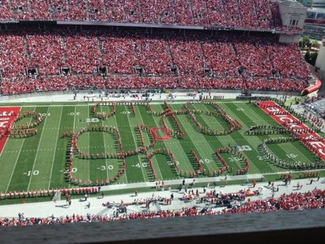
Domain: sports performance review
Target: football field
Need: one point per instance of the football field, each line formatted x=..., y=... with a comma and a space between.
x=42, y=161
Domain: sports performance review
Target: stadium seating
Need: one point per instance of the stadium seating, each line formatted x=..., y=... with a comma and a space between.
x=248, y=14
x=64, y=59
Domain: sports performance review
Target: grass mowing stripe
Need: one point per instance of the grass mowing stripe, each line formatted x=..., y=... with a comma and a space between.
x=14, y=168
x=154, y=159
x=233, y=137
x=251, y=155
x=134, y=174
x=255, y=116
x=21, y=176
x=114, y=162
x=82, y=165
x=124, y=178
x=145, y=136
x=106, y=163
x=97, y=172
x=206, y=121
x=254, y=113
x=249, y=117
x=37, y=151
x=44, y=159
x=135, y=160
x=59, y=166
x=168, y=173
x=56, y=143
x=291, y=157
x=133, y=127
x=291, y=148
x=279, y=148
x=203, y=149
x=180, y=149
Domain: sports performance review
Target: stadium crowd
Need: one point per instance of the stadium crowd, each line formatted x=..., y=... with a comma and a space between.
x=258, y=14
x=65, y=59
x=295, y=201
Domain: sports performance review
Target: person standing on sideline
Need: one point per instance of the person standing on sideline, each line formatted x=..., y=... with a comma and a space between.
x=88, y=205
x=254, y=183
x=193, y=183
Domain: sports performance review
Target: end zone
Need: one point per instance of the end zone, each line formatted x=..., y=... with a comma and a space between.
x=8, y=115
x=307, y=136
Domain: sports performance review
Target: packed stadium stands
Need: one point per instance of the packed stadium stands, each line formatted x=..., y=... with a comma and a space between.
x=59, y=59
x=248, y=14
x=156, y=45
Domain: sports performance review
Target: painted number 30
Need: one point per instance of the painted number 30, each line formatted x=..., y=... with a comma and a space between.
x=108, y=167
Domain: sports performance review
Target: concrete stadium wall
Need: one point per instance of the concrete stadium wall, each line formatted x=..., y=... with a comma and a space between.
x=249, y=228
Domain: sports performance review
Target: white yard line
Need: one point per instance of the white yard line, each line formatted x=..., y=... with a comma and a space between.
x=117, y=126
x=73, y=128
x=39, y=143
x=106, y=163
x=56, y=143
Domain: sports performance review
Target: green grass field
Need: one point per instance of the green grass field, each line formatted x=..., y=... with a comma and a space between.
x=39, y=162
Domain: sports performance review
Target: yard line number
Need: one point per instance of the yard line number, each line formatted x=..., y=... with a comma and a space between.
x=108, y=167
x=35, y=172
x=244, y=148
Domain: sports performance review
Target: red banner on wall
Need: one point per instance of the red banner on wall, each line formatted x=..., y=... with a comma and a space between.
x=8, y=116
